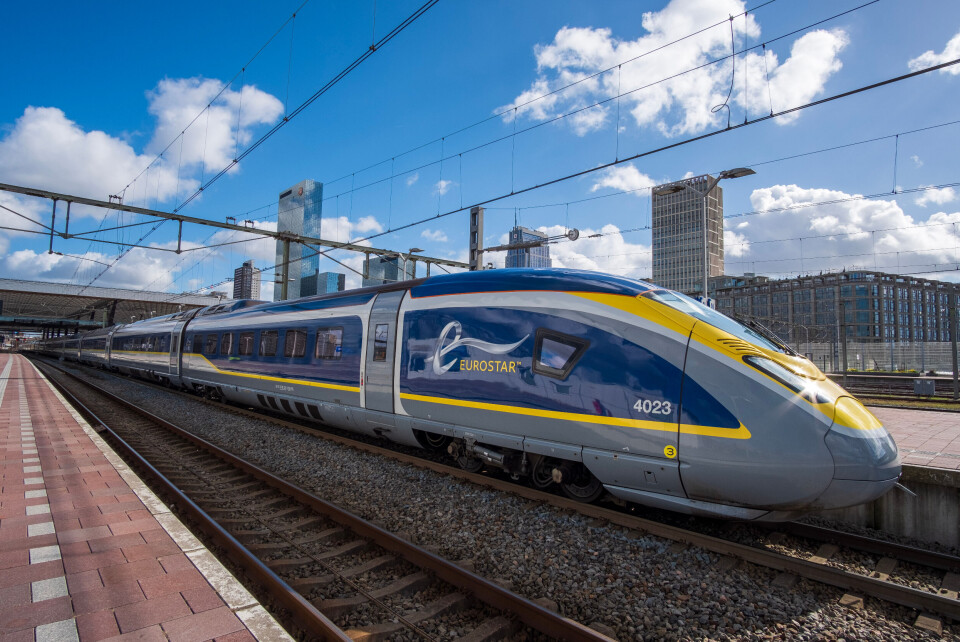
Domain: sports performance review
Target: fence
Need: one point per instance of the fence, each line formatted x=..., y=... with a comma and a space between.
x=897, y=356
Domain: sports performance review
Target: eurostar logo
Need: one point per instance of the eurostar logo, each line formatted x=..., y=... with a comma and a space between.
x=454, y=326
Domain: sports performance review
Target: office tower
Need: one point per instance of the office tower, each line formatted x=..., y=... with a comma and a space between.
x=678, y=235
x=536, y=256
x=299, y=212
x=246, y=282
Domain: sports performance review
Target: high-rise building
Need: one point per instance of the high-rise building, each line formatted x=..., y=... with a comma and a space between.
x=678, y=235
x=299, y=212
x=331, y=282
x=246, y=282
x=535, y=257
x=387, y=269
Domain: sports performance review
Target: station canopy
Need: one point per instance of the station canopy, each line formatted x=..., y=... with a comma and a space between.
x=58, y=308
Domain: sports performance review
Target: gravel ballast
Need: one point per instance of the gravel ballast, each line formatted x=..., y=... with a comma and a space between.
x=635, y=585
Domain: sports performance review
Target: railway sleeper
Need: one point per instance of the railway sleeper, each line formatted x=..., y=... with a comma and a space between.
x=303, y=541
x=496, y=628
x=337, y=607
x=385, y=630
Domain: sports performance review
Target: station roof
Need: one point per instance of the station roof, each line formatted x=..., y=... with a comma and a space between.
x=35, y=305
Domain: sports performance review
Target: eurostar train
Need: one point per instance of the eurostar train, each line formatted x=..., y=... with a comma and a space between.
x=583, y=380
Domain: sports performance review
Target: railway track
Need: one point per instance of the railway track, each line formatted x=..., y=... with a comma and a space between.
x=339, y=576
x=796, y=550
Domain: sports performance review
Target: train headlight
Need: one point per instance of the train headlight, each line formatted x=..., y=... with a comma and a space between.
x=806, y=388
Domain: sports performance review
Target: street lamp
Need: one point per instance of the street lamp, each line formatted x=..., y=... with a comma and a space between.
x=673, y=188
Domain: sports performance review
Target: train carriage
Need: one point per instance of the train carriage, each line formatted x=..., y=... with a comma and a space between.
x=587, y=381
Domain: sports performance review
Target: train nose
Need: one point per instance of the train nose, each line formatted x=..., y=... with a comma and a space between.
x=865, y=458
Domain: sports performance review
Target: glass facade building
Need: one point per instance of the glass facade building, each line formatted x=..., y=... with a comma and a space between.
x=331, y=282
x=528, y=257
x=246, y=282
x=381, y=270
x=678, y=236
x=299, y=212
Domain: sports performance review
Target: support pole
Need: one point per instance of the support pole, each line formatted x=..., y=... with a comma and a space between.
x=285, y=269
x=179, y=235
x=476, y=238
x=53, y=221
x=706, y=250
x=66, y=228
x=843, y=343
x=953, y=344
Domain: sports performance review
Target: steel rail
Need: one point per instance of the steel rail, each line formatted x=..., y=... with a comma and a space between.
x=901, y=552
x=869, y=586
x=537, y=617
x=305, y=614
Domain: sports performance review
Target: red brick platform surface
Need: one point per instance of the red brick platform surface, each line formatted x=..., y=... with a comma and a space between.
x=925, y=438
x=85, y=557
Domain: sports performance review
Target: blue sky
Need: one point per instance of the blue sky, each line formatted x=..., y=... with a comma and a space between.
x=93, y=92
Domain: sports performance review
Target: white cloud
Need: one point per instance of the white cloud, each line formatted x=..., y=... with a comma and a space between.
x=413, y=178
x=930, y=58
x=626, y=178
x=916, y=160
x=211, y=140
x=434, y=235
x=442, y=186
x=865, y=233
x=681, y=105
x=938, y=196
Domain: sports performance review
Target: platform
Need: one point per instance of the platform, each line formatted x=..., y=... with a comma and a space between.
x=925, y=438
x=87, y=551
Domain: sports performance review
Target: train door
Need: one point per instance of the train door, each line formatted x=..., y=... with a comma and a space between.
x=381, y=344
x=175, y=337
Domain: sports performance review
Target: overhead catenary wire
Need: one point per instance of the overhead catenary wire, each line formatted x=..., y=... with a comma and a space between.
x=650, y=152
x=507, y=110
x=578, y=110
x=287, y=117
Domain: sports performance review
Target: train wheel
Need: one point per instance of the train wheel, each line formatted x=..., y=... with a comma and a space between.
x=470, y=464
x=542, y=475
x=431, y=440
x=583, y=486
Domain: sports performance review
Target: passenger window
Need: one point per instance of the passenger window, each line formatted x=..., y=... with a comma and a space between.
x=295, y=343
x=188, y=344
x=268, y=343
x=555, y=354
x=227, y=344
x=380, y=337
x=245, y=344
x=329, y=343
x=211, y=347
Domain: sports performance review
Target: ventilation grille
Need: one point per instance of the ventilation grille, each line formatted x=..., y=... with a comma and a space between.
x=738, y=346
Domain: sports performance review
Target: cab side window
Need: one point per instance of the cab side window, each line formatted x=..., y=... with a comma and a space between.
x=555, y=354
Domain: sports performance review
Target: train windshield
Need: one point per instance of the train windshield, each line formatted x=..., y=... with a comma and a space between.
x=701, y=312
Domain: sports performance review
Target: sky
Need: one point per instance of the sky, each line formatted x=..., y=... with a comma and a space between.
x=480, y=102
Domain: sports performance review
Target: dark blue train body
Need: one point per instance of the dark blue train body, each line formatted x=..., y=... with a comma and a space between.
x=587, y=381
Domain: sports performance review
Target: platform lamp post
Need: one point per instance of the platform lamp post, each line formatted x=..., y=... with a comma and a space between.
x=673, y=188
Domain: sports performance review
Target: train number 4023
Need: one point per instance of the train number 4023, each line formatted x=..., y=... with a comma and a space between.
x=652, y=407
